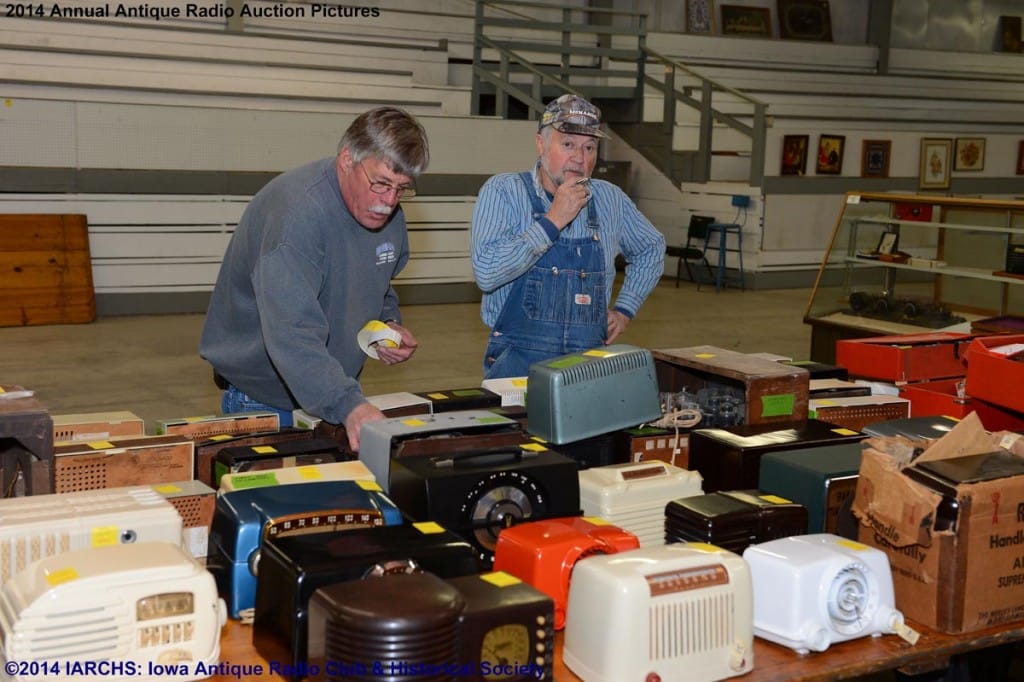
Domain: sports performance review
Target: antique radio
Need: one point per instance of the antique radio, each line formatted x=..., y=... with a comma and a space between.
x=195, y=502
x=811, y=591
x=248, y=458
x=143, y=611
x=439, y=434
x=503, y=631
x=119, y=462
x=245, y=518
x=644, y=443
x=331, y=471
x=461, y=399
x=836, y=388
x=40, y=526
x=479, y=494
x=511, y=389
x=296, y=565
x=585, y=394
x=820, y=370
x=363, y=632
x=543, y=553
x=914, y=428
x=506, y=630
x=633, y=496
x=596, y=451
x=740, y=388
x=207, y=426
x=857, y=412
x=205, y=450
x=97, y=426
x=730, y=459
x=733, y=519
x=681, y=612
x=26, y=444
x=821, y=479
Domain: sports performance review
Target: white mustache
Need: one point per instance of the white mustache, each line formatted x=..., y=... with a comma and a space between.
x=381, y=208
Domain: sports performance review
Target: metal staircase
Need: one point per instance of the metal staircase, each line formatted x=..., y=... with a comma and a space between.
x=525, y=53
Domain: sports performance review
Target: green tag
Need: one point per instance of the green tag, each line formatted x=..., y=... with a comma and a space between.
x=570, y=361
x=777, y=405
x=219, y=470
x=261, y=480
x=646, y=431
x=466, y=392
x=496, y=419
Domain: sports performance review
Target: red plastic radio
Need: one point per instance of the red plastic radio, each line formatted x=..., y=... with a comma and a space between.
x=543, y=553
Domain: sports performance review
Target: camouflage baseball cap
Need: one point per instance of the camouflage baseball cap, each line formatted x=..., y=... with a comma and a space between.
x=573, y=115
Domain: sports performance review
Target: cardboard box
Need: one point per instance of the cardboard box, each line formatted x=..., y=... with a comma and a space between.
x=958, y=579
x=97, y=426
x=146, y=460
x=948, y=398
x=904, y=358
x=995, y=376
x=772, y=392
x=202, y=428
x=856, y=412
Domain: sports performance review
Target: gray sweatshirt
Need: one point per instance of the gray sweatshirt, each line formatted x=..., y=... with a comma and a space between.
x=298, y=281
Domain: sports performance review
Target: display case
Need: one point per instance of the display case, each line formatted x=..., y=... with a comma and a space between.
x=907, y=264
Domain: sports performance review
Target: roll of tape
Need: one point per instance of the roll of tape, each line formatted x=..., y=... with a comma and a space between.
x=376, y=332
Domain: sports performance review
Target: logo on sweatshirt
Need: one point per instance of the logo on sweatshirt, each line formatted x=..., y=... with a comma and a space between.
x=386, y=253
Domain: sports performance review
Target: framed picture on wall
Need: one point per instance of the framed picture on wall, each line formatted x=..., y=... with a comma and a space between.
x=935, y=162
x=830, y=154
x=804, y=20
x=874, y=158
x=970, y=154
x=700, y=16
x=1020, y=158
x=739, y=20
x=794, y=154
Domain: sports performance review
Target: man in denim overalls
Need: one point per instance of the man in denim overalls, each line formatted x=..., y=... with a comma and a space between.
x=544, y=245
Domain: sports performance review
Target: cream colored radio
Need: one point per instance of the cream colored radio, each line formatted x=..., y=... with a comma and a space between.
x=146, y=611
x=675, y=613
x=40, y=526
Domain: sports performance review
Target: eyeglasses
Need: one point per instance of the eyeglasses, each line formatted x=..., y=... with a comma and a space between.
x=381, y=187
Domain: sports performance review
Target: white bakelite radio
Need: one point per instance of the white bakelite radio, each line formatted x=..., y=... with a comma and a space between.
x=146, y=611
x=675, y=613
x=811, y=591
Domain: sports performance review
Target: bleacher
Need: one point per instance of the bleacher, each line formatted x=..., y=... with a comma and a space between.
x=160, y=131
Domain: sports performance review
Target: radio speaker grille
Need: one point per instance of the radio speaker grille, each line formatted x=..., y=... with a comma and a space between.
x=691, y=627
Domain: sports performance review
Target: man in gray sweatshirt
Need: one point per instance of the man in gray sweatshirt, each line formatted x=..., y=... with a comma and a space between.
x=310, y=263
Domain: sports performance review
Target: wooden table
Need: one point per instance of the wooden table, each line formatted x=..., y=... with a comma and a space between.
x=772, y=663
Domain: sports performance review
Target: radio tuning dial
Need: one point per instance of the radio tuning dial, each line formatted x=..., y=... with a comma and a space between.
x=503, y=647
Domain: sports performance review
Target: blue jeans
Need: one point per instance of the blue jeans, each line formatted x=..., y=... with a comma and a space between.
x=234, y=401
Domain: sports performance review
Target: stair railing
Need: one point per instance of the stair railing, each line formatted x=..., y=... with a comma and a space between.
x=671, y=94
x=561, y=47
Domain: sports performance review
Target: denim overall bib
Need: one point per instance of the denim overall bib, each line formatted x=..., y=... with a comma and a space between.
x=558, y=307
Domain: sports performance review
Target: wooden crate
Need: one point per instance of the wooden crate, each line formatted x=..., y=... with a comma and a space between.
x=45, y=270
x=773, y=392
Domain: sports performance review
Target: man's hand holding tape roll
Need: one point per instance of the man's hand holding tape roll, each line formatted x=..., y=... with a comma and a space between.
x=392, y=355
x=391, y=343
